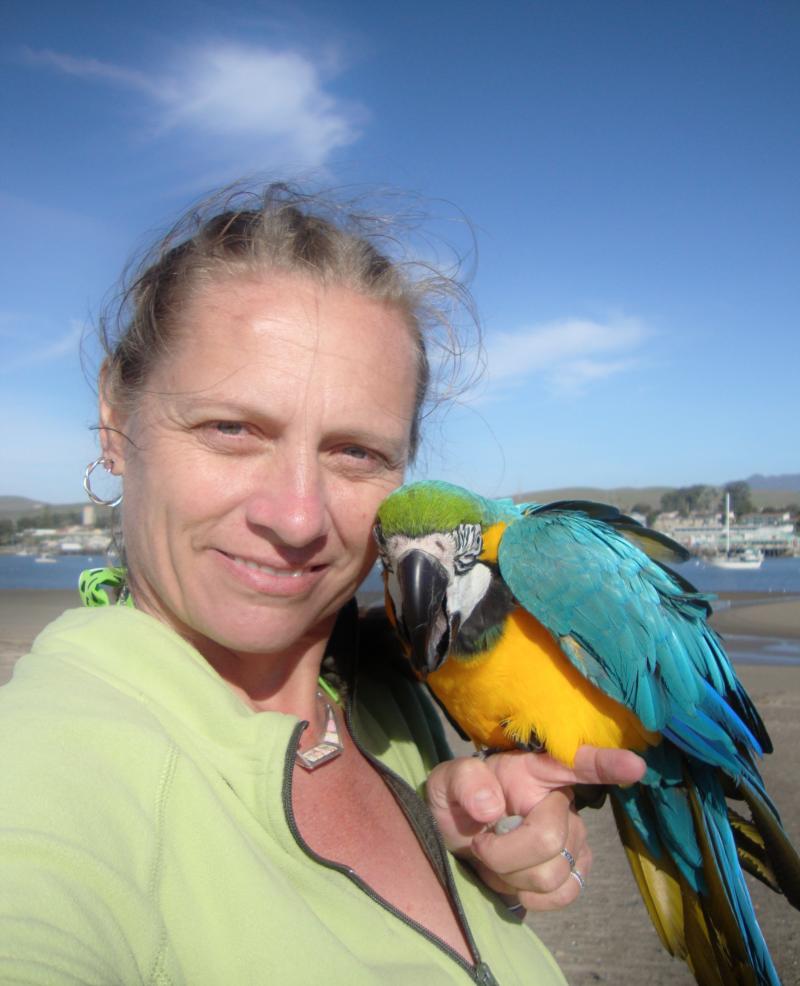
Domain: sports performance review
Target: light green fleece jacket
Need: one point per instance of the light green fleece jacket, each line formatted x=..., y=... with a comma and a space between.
x=146, y=833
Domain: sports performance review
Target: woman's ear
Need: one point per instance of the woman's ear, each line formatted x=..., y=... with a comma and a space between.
x=112, y=426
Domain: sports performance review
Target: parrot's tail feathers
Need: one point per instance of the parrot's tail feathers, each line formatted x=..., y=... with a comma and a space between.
x=674, y=908
x=752, y=852
x=782, y=859
x=685, y=856
x=738, y=942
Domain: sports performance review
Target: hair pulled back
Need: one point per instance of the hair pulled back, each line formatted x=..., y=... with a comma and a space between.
x=276, y=230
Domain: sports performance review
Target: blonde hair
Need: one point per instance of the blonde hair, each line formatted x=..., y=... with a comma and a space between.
x=276, y=229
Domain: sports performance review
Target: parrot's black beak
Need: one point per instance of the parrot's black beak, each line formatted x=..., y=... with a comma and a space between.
x=423, y=586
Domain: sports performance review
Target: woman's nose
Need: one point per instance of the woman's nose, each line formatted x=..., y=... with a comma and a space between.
x=291, y=501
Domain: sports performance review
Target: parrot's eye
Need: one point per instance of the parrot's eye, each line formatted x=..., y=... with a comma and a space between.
x=469, y=544
x=380, y=540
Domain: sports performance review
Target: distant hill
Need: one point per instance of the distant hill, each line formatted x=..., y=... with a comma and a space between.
x=775, y=499
x=787, y=481
x=624, y=497
x=771, y=492
x=11, y=506
x=627, y=497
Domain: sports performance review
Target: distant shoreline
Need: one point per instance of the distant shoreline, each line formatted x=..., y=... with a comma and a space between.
x=757, y=628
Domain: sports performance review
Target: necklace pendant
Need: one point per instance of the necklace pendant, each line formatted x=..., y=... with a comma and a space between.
x=317, y=755
x=328, y=748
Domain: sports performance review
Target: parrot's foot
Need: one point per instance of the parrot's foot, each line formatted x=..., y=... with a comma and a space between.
x=489, y=751
x=534, y=745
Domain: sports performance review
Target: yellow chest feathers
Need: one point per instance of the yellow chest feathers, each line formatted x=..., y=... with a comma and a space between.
x=526, y=687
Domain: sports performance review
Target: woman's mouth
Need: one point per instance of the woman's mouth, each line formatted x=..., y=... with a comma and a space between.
x=281, y=579
x=281, y=573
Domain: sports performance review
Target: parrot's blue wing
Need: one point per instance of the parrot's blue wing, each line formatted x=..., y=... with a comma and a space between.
x=639, y=633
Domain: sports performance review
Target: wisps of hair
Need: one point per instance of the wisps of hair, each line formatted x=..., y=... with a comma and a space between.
x=330, y=236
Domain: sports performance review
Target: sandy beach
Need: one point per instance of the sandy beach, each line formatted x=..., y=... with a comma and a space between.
x=607, y=937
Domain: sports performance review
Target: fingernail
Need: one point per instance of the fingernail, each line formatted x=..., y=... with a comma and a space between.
x=485, y=801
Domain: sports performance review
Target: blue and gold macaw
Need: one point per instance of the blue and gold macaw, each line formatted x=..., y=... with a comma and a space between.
x=553, y=626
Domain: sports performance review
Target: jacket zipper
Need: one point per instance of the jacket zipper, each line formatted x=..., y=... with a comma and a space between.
x=479, y=972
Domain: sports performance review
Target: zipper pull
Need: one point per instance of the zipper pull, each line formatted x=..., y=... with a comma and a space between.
x=483, y=975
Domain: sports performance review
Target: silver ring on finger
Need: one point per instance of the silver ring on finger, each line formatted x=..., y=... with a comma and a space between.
x=580, y=878
x=569, y=857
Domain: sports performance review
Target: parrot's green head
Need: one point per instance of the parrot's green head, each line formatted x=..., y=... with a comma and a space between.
x=430, y=538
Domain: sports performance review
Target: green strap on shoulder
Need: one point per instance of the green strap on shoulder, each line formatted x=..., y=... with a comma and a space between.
x=104, y=587
x=97, y=586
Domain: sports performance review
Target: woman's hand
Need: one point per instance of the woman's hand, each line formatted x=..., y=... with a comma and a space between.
x=468, y=795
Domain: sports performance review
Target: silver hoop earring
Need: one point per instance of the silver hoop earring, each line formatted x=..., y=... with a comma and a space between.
x=108, y=465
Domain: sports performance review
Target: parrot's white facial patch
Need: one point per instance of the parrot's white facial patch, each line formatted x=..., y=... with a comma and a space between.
x=452, y=551
x=467, y=590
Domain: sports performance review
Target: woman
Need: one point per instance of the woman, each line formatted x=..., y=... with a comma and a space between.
x=159, y=819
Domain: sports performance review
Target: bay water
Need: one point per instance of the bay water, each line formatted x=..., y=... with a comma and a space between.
x=778, y=576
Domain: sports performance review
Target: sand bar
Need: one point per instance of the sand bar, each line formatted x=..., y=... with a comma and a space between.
x=767, y=616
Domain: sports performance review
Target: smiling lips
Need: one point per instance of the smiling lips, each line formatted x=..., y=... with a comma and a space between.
x=269, y=578
x=283, y=573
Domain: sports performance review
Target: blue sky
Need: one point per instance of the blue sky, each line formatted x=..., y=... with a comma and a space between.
x=629, y=171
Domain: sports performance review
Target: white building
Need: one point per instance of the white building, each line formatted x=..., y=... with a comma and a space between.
x=705, y=533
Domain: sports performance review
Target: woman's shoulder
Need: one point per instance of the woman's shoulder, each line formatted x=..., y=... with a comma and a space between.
x=70, y=713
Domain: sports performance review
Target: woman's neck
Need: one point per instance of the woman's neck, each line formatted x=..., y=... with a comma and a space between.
x=279, y=681
x=285, y=682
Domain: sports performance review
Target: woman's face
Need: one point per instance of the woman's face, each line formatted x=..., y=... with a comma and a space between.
x=258, y=456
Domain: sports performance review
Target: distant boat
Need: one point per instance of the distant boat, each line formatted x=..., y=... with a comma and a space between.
x=748, y=558
x=741, y=558
x=45, y=559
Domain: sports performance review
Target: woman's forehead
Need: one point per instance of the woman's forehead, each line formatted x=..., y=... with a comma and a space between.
x=283, y=338
x=288, y=310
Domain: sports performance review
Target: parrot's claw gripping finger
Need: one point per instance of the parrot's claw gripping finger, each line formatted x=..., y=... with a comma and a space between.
x=484, y=752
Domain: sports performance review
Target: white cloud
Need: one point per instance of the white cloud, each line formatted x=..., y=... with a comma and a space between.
x=568, y=355
x=23, y=347
x=271, y=105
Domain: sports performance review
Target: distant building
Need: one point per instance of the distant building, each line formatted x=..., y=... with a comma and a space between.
x=88, y=515
x=704, y=534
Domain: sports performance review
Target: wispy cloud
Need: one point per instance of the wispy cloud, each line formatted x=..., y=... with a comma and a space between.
x=272, y=104
x=567, y=355
x=23, y=346
x=92, y=68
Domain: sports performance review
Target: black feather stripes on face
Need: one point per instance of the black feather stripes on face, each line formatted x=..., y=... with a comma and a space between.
x=485, y=623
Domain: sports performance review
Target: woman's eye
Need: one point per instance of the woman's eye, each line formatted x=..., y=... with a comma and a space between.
x=229, y=427
x=360, y=460
x=359, y=453
x=227, y=436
